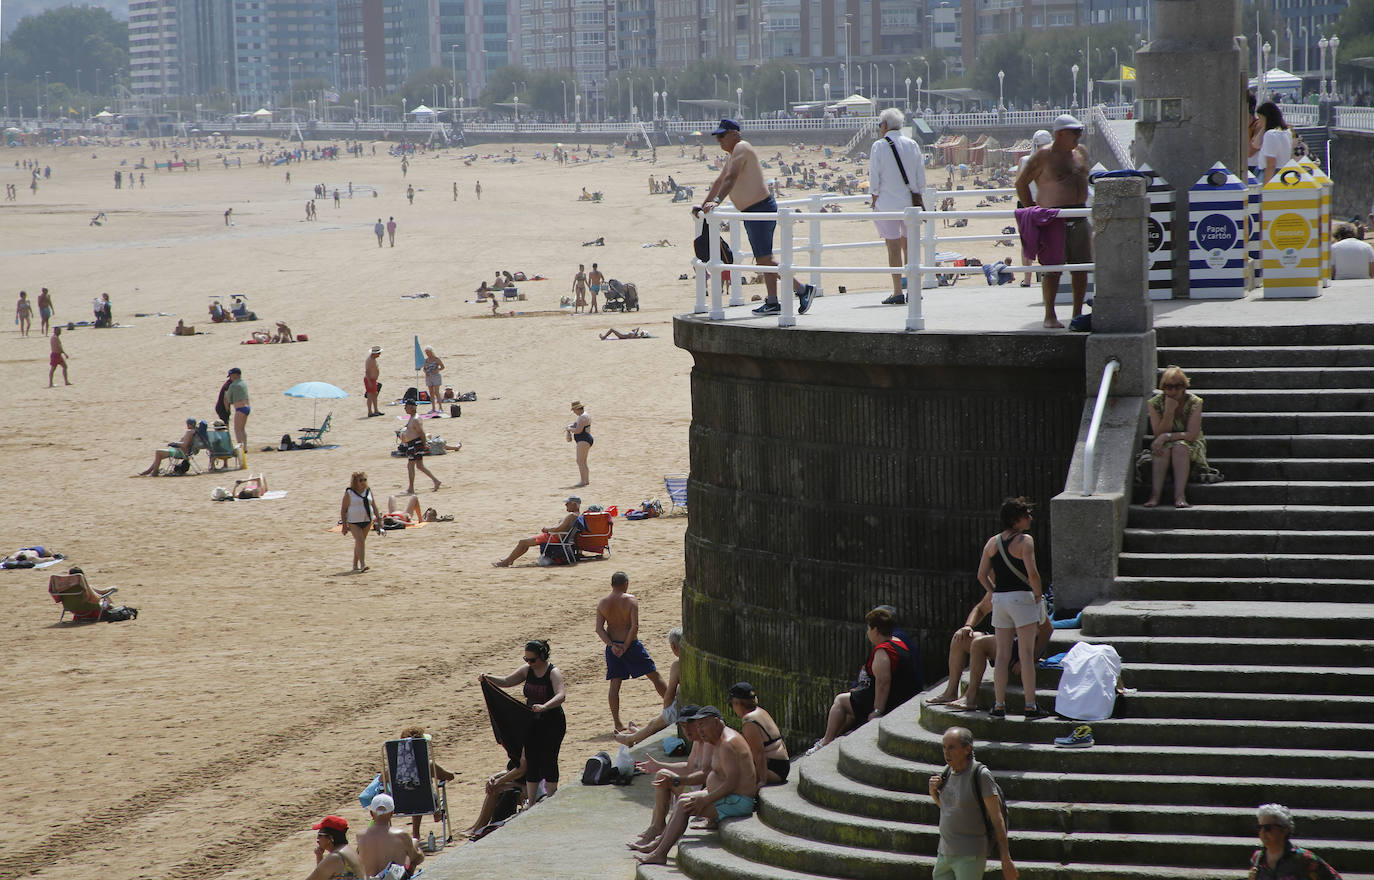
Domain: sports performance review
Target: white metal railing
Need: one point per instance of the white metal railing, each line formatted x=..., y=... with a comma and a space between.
x=1119, y=150
x=1090, y=448
x=920, y=270
x=1300, y=114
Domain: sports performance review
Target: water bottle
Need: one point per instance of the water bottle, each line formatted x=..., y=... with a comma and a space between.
x=430, y=847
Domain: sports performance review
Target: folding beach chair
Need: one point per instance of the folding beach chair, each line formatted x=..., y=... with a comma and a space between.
x=311, y=436
x=223, y=448
x=180, y=465
x=676, y=484
x=412, y=783
x=562, y=549
x=77, y=597
x=594, y=537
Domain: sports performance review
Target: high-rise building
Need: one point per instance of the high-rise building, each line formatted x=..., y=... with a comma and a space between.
x=635, y=45
x=492, y=29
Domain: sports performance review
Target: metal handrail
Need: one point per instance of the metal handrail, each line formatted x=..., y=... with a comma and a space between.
x=1090, y=449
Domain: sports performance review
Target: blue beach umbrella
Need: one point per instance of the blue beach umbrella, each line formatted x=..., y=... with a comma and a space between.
x=316, y=391
x=419, y=355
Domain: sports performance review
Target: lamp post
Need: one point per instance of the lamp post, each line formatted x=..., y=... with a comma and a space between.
x=1001, y=76
x=1292, y=62
x=1049, y=95
x=1321, y=60
x=739, y=102
x=847, y=17
x=1116, y=60
x=1264, y=71
x=893, y=69
x=918, y=92
x=1335, y=44
x=1074, y=101
x=654, y=110
x=577, y=109
x=565, y=100
x=784, y=91
x=1302, y=30
x=908, y=94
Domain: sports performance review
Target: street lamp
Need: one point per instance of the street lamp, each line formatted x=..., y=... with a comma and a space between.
x=847, y=17
x=908, y=94
x=1049, y=95
x=918, y=93
x=1001, y=75
x=577, y=109
x=1116, y=60
x=1321, y=59
x=1074, y=70
x=1264, y=71
x=739, y=102
x=654, y=110
x=1335, y=44
x=893, y=68
x=1306, y=69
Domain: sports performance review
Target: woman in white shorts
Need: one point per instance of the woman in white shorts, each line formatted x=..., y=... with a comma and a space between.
x=1007, y=570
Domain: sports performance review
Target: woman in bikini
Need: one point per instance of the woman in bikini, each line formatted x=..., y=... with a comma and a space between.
x=579, y=432
x=358, y=515
x=771, y=764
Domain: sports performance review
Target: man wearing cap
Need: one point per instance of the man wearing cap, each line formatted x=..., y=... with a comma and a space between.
x=335, y=859
x=896, y=181
x=573, y=505
x=387, y=853
x=1061, y=175
x=236, y=402
x=672, y=779
x=617, y=625
x=372, y=372
x=730, y=785
x=742, y=180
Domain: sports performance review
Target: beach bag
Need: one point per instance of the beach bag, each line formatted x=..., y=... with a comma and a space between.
x=507, y=803
x=373, y=789
x=599, y=770
x=118, y=613
x=702, y=246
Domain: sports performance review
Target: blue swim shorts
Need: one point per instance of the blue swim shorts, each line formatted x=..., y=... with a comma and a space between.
x=632, y=664
x=760, y=232
x=733, y=806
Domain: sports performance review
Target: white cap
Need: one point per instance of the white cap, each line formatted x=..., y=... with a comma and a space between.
x=1066, y=120
x=382, y=805
x=1041, y=138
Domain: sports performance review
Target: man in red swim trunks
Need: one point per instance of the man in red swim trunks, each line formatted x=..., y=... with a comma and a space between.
x=57, y=356
x=371, y=372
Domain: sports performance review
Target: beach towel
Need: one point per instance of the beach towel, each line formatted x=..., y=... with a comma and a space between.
x=11, y=563
x=511, y=719
x=1087, y=686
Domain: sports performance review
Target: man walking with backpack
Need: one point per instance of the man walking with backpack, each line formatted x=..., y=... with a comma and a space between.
x=972, y=813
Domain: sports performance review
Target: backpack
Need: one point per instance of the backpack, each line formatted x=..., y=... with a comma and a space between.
x=983, y=807
x=599, y=770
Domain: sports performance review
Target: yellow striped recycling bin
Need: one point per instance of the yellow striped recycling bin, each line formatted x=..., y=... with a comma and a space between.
x=1327, y=185
x=1292, y=235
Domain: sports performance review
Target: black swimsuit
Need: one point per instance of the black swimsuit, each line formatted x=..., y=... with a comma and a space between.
x=780, y=766
x=583, y=436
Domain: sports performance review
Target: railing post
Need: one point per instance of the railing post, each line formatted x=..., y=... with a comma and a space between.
x=701, y=225
x=927, y=248
x=914, y=319
x=713, y=237
x=737, y=278
x=816, y=203
x=788, y=316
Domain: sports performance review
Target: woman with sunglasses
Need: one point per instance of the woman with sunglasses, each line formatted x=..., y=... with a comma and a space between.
x=1176, y=423
x=1278, y=858
x=544, y=695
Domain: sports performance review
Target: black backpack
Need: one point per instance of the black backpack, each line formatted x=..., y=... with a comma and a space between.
x=983, y=807
x=599, y=770
x=702, y=246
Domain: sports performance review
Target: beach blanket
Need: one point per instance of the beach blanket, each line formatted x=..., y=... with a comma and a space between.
x=10, y=563
x=511, y=719
x=338, y=527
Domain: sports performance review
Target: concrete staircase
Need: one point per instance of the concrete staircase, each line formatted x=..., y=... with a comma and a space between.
x=1246, y=625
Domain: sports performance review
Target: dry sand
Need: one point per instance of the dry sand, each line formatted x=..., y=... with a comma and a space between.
x=252, y=694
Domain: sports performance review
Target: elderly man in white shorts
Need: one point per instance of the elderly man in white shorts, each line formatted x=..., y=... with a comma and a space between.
x=896, y=181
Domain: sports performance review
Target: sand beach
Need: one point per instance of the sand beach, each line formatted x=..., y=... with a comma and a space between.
x=252, y=694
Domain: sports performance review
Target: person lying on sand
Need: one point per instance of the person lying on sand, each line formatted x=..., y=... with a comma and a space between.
x=636, y=333
x=596, y=242
x=253, y=487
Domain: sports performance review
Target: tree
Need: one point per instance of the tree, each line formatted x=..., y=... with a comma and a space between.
x=58, y=43
x=419, y=88
x=1038, y=66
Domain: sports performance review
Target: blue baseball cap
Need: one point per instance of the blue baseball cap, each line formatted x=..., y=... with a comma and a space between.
x=725, y=125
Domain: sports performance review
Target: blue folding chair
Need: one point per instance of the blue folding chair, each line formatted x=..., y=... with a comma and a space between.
x=676, y=484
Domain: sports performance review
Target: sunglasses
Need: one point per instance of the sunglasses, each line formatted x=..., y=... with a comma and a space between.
x=531, y=659
x=1269, y=826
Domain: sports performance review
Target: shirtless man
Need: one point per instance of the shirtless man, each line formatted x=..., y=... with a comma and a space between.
x=742, y=180
x=334, y=857
x=579, y=289
x=617, y=625
x=594, y=282
x=573, y=505
x=1060, y=171
x=730, y=785
x=372, y=371
x=380, y=845
x=57, y=356
x=672, y=779
x=413, y=437
x=633, y=736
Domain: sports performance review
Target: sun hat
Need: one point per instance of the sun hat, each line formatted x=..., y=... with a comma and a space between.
x=376, y=349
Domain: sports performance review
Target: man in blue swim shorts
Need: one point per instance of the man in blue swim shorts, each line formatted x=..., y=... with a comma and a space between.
x=617, y=625
x=730, y=789
x=742, y=180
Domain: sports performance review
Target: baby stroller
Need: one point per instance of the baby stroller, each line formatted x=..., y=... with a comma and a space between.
x=621, y=297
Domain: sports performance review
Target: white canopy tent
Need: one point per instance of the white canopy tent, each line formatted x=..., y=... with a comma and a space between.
x=853, y=102
x=262, y=114
x=422, y=110
x=1279, y=82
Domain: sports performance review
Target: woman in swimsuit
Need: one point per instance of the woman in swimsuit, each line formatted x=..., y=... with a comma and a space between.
x=434, y=377
x=358, y=515
x=771, y=764
x=579, y=432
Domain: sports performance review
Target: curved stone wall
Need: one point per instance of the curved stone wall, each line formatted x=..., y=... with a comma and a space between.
x=833, y=471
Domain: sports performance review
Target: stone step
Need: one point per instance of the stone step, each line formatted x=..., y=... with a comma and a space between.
x=1258, y=564
x=1239, y=589
x=863, y=761
x=1161, y=732
x=1272, y=356
x=1207, y=705
x=1304, y=422
x=1267, y=401
x=1204, y=379
x=1331, y=493
x=1228, y=678
x=1286, y=541
x=1292, y=517
x=1294, y=468
x=1133, y=617
x=1225, y=649
x=1243, y=444
x=1340, y=336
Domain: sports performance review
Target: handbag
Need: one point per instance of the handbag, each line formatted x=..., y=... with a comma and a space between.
x=917, y=200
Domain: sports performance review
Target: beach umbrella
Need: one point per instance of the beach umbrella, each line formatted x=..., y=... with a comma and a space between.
x=419, y=355
x=316, y=391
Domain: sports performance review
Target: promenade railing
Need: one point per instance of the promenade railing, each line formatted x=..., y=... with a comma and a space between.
x=922, y=268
